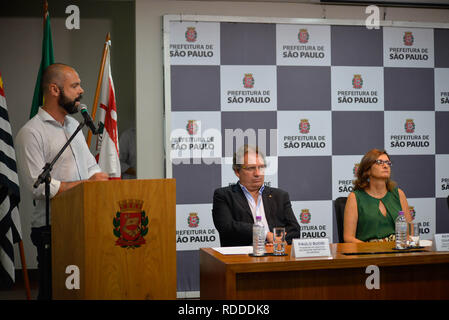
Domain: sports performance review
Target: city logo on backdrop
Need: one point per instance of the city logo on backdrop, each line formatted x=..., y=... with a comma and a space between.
x=191, y=34
x=308, y=230
x=409, y=140
x=344, y=172
x=192, y=127
x=130, y=224
x=303, y=51
x=304, y=133
x=303, y=45
x=249, y=96
x=346, y=185
x=248, y=88
x=194, y=234
x=358, y=95
x=304, y=126
x=305, y=141
x=409, y=52
x=408, y=47
x=445, y=184
x=190, y=49
x=441, y=84
x=193, y=140
x=444, y=98
x=248, y=81
x=193, y=220
x=408, y=38
x=409, y=132
x=355, y=169
x=357, y=89
x=424, y=226
x=303, y=36
x=442, y=175
x=305, y=216
x=409, y=126
x=357, y=81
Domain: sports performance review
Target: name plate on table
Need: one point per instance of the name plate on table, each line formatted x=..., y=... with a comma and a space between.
x=441, y=242
x=307, y=248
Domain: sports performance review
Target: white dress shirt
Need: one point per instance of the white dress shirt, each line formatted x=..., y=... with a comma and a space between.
x=257, y=209
x=37, y=143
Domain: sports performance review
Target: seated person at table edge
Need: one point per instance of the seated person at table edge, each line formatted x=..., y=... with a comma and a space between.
x=371, y=210
x=235, y=207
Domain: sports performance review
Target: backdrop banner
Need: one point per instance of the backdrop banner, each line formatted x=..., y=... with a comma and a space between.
x=315, y=98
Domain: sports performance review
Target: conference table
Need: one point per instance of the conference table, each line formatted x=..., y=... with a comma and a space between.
x=347, y=274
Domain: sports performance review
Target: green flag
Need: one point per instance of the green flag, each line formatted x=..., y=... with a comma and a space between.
x=47, y=59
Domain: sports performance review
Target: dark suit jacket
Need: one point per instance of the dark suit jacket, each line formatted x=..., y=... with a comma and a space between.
x=234, y=221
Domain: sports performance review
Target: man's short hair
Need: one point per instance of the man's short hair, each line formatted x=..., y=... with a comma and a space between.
x=239, y=157
x=54, y=73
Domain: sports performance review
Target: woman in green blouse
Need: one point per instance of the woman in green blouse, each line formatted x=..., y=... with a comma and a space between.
x=371, y=210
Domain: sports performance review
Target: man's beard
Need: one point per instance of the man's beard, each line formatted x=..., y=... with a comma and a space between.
x=68, y=105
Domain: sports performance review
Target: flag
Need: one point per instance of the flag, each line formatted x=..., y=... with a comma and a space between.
x=10, y=229
x=47, y=59
x=107, y=147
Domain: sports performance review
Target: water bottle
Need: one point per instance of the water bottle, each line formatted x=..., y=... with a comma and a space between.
x=401, y=231
x=258, y=238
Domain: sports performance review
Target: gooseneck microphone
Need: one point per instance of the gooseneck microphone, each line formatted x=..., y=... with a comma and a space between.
x=87, y=118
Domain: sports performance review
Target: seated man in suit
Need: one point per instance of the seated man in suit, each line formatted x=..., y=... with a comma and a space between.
x=235, y=207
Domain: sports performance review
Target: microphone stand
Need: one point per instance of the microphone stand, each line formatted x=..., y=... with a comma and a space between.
x=45, y=177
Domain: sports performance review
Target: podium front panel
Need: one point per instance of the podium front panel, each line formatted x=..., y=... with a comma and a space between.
x=121, y=236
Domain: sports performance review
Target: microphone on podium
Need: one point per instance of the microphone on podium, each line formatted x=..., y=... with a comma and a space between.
x=87, y=118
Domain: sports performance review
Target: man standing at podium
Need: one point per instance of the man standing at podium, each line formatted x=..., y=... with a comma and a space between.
x=39, y=141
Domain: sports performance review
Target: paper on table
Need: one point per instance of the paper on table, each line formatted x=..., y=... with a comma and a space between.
x=425, y=243
x=234, y=250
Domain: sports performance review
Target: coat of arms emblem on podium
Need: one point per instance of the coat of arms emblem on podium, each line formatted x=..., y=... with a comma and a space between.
x=130, y=224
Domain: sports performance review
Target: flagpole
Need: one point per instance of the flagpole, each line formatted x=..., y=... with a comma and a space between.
x=45, y=11
x=24, y=270
x=21, y=248
x=99, y=81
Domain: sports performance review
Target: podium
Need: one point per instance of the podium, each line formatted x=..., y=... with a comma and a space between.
x=115, y=240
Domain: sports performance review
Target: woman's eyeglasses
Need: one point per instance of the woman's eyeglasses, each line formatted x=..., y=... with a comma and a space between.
x=381, y=162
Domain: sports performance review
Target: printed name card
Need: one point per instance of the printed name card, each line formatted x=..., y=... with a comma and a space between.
x=441, y=242
x=306, y=248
